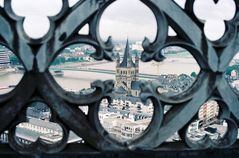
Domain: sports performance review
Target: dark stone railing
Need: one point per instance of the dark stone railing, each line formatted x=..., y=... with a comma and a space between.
x=37, y=84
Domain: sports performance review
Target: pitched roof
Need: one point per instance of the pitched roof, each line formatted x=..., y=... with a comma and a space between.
x=127, y=57
x=121, y=90
x=135, y=85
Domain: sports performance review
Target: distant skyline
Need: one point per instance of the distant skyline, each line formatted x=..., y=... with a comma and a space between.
x=124, y=18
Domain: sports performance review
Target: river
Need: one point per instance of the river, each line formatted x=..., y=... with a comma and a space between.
x=77, y=80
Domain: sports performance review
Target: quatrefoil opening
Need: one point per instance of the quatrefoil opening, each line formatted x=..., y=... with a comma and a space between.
x=121, y=25
x=125, y=120
x=232, y=74
x=37, y=131
x=214, y=14
x=11, y=70
x=212, y=128
x=74, y=69
x=38, y=126
x=36, y=14
x=177, y=73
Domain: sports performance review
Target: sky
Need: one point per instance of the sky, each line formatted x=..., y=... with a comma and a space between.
x=124, y=18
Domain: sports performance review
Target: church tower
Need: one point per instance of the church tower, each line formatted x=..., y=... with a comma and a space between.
x=126, y=72
x=137, y=67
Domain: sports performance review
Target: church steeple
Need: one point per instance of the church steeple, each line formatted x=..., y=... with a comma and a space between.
x=127, y=47
x=127, y=60
x=117, y=60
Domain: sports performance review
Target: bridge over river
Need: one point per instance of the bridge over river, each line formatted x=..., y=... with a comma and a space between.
x=102, y=71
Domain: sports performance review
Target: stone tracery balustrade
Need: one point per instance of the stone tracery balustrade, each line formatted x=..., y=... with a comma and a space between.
x=36, y=55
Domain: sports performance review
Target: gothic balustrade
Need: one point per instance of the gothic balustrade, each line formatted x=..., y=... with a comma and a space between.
x=38, y=84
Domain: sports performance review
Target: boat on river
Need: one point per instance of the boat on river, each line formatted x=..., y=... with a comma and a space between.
x=58, y=73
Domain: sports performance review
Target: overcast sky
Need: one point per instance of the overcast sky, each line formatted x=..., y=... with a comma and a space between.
x=124, y=18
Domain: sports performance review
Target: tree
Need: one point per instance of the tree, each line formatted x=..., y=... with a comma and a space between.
x=193, y=74
x=59, y=60
x=14, y=60
x=231, y=68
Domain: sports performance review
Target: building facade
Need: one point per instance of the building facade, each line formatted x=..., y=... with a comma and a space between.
x=208, y=113
x=4, y=58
